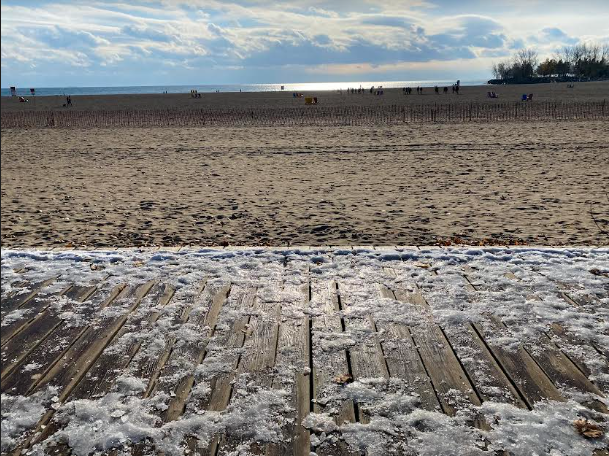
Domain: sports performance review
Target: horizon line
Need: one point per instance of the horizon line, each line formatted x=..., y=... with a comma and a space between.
x=241, y=83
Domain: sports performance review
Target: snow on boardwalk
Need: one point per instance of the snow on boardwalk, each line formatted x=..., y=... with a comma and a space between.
x=336, y=351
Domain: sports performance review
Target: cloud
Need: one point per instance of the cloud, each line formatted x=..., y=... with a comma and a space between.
x=145, y=33
x=208, y=40
x=474, y=31
x=387, y=21
x=556, y=35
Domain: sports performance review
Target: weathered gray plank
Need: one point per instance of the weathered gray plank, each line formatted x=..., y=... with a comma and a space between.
x=19, y=383
x=403, y=357
x=193, y=354
x=16, y=300
x=31, y=309
x=257, y=361
x=294, y=350
x=33, y=334
x=100, y=378
x=67, y=372
x=330, y=366
x=367, y=359
x=222, y=384
x=21, y=380
x=149, y=368
x=523, y=371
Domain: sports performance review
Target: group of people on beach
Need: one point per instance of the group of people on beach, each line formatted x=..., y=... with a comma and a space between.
x=455, y=88
x=353, y=91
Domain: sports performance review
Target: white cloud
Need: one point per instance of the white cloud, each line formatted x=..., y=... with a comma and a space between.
x=248, y=36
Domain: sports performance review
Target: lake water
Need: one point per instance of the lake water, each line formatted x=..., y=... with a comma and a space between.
x=288, y=87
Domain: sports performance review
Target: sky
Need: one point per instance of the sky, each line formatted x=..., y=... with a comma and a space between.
x=48, y=43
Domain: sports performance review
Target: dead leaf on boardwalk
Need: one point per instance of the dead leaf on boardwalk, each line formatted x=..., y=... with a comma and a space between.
x=343, y=378
x=598, y=272
x=423, y=265
x=588, y=430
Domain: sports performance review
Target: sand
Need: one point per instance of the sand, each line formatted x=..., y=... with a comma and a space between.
x=537, y=182
x=590, y=91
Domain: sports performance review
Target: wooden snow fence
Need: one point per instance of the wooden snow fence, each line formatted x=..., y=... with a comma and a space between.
x=311, y=115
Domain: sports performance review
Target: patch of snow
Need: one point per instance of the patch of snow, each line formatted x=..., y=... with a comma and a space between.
x=20, y=413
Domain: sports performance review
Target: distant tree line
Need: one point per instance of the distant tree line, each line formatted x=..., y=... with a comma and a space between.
x=582, y=61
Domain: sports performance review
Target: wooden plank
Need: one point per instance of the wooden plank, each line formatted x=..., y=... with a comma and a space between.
x=523, y=371
x=587, y=300
x=587, y=304
x=100, y=378
x=260, y=351
x=484, y=372
x=50, y=350
x=440, y=360
x=150, y=368
x=590, y=304
x=30, y=308
x=190, y=354
x=562, y=371
x=558, y=367
x=326, y=321
x=203, y=312
x=67, y=372
x=257, y=362
x=221, y=385
x=403, y=357
x=367, y=359
x=294, y=350
x=566, y=341
x=16, y=287
x=17, y=300
x=19, y=386
x=41, y=327
x=235, y=338
x=443, y=367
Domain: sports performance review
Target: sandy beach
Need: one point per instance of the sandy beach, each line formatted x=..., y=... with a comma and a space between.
x=590, y=91
x=534, y=182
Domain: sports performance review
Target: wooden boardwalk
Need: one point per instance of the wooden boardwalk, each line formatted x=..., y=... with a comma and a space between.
x=340, y=351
